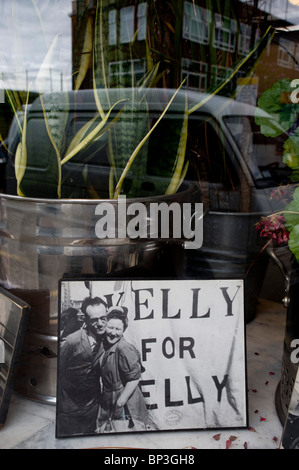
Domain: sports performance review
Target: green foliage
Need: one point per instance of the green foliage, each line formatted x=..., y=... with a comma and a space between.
x=292, y=223
x=281, y=114
x=291, y=154
x=283, y=117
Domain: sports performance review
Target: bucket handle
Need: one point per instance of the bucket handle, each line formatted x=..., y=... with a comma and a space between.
x=283, y=270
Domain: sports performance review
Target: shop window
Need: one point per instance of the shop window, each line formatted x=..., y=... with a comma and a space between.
x=124, y=73
x=286, y=53
x=244, y=41
x=219, y=74
x=112, y=28
x=127, y=24
x=195, y=74
x=262, y=155
x=196, y=23
x=297, y=57
x=141, y=22
x=225, y=30
x=218, y=170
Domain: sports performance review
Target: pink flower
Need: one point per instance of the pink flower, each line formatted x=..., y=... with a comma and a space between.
x=273, y=227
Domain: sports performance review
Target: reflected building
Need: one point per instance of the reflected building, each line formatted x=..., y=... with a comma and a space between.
x=191, y=40
x=195, y=41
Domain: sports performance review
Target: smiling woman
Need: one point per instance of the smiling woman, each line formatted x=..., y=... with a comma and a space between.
x=122, y=406
x=117, y=323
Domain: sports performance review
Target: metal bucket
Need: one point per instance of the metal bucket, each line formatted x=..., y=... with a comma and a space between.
x=232, y=249
x=42, y=241
x=290, y=270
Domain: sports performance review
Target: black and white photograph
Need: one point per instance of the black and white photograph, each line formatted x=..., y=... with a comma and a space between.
x=150, y=355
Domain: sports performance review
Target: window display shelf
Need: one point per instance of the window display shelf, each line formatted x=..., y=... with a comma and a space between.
x=31, y=425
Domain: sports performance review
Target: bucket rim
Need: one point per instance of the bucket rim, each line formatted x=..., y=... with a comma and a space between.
x=187, y=188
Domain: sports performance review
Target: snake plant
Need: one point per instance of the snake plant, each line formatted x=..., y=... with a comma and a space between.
x=126, y=139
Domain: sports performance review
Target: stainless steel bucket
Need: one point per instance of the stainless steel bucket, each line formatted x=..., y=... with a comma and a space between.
x=232, y=249
x=42, y=241
x=290, y=270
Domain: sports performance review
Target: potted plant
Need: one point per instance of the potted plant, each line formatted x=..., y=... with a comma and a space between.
x=281, y=227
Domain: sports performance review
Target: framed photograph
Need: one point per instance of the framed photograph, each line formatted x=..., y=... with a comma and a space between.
x=150, y=355
x=14, y=314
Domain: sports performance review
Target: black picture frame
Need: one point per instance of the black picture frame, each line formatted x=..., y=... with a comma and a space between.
x=189, y=336
x=14, y=315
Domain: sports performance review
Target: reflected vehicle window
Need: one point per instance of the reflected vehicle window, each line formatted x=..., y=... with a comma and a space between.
x=217, y=166
x=262, y=154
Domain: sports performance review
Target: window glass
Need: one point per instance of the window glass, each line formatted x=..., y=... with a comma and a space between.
x=126, y=24
x=195, y=74
x=224, y=33
x=286, y=53
x=123, y=73
x=141, y=15
x=244, y=38
x=217, y=166
x=262, y=154
x=196, y=23
x=112, y=28
x=59, y=51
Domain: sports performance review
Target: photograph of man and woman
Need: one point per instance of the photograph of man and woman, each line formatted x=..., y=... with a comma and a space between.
x=99, y=373
x=143, y=355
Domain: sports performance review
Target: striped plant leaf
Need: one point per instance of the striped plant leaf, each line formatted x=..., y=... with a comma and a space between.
x=85, y=55
x=181, y=154
x=20, y=166
x=21, y=153
x=95, y=133
x=140, y=145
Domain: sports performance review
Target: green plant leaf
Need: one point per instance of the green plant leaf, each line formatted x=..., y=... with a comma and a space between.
x=143, y=141
x=55, y=117
x=181, y=153
x=294, y=241
x=21, y=154
x=99, y=60
x=85, y=55
x=95, y=133
x=20, y=166
x=291, y=215
x=291, y=151
x=262, y=43
x=80, y=135
x=47, y=64
x=14, y=104
x=282, y=114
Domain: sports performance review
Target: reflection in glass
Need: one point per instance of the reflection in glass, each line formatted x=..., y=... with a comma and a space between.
x=13, y=317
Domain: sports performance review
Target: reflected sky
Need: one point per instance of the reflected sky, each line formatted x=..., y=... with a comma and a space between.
x=28, y=28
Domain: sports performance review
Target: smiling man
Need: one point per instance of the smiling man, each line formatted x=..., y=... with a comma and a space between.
x=79, y=386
